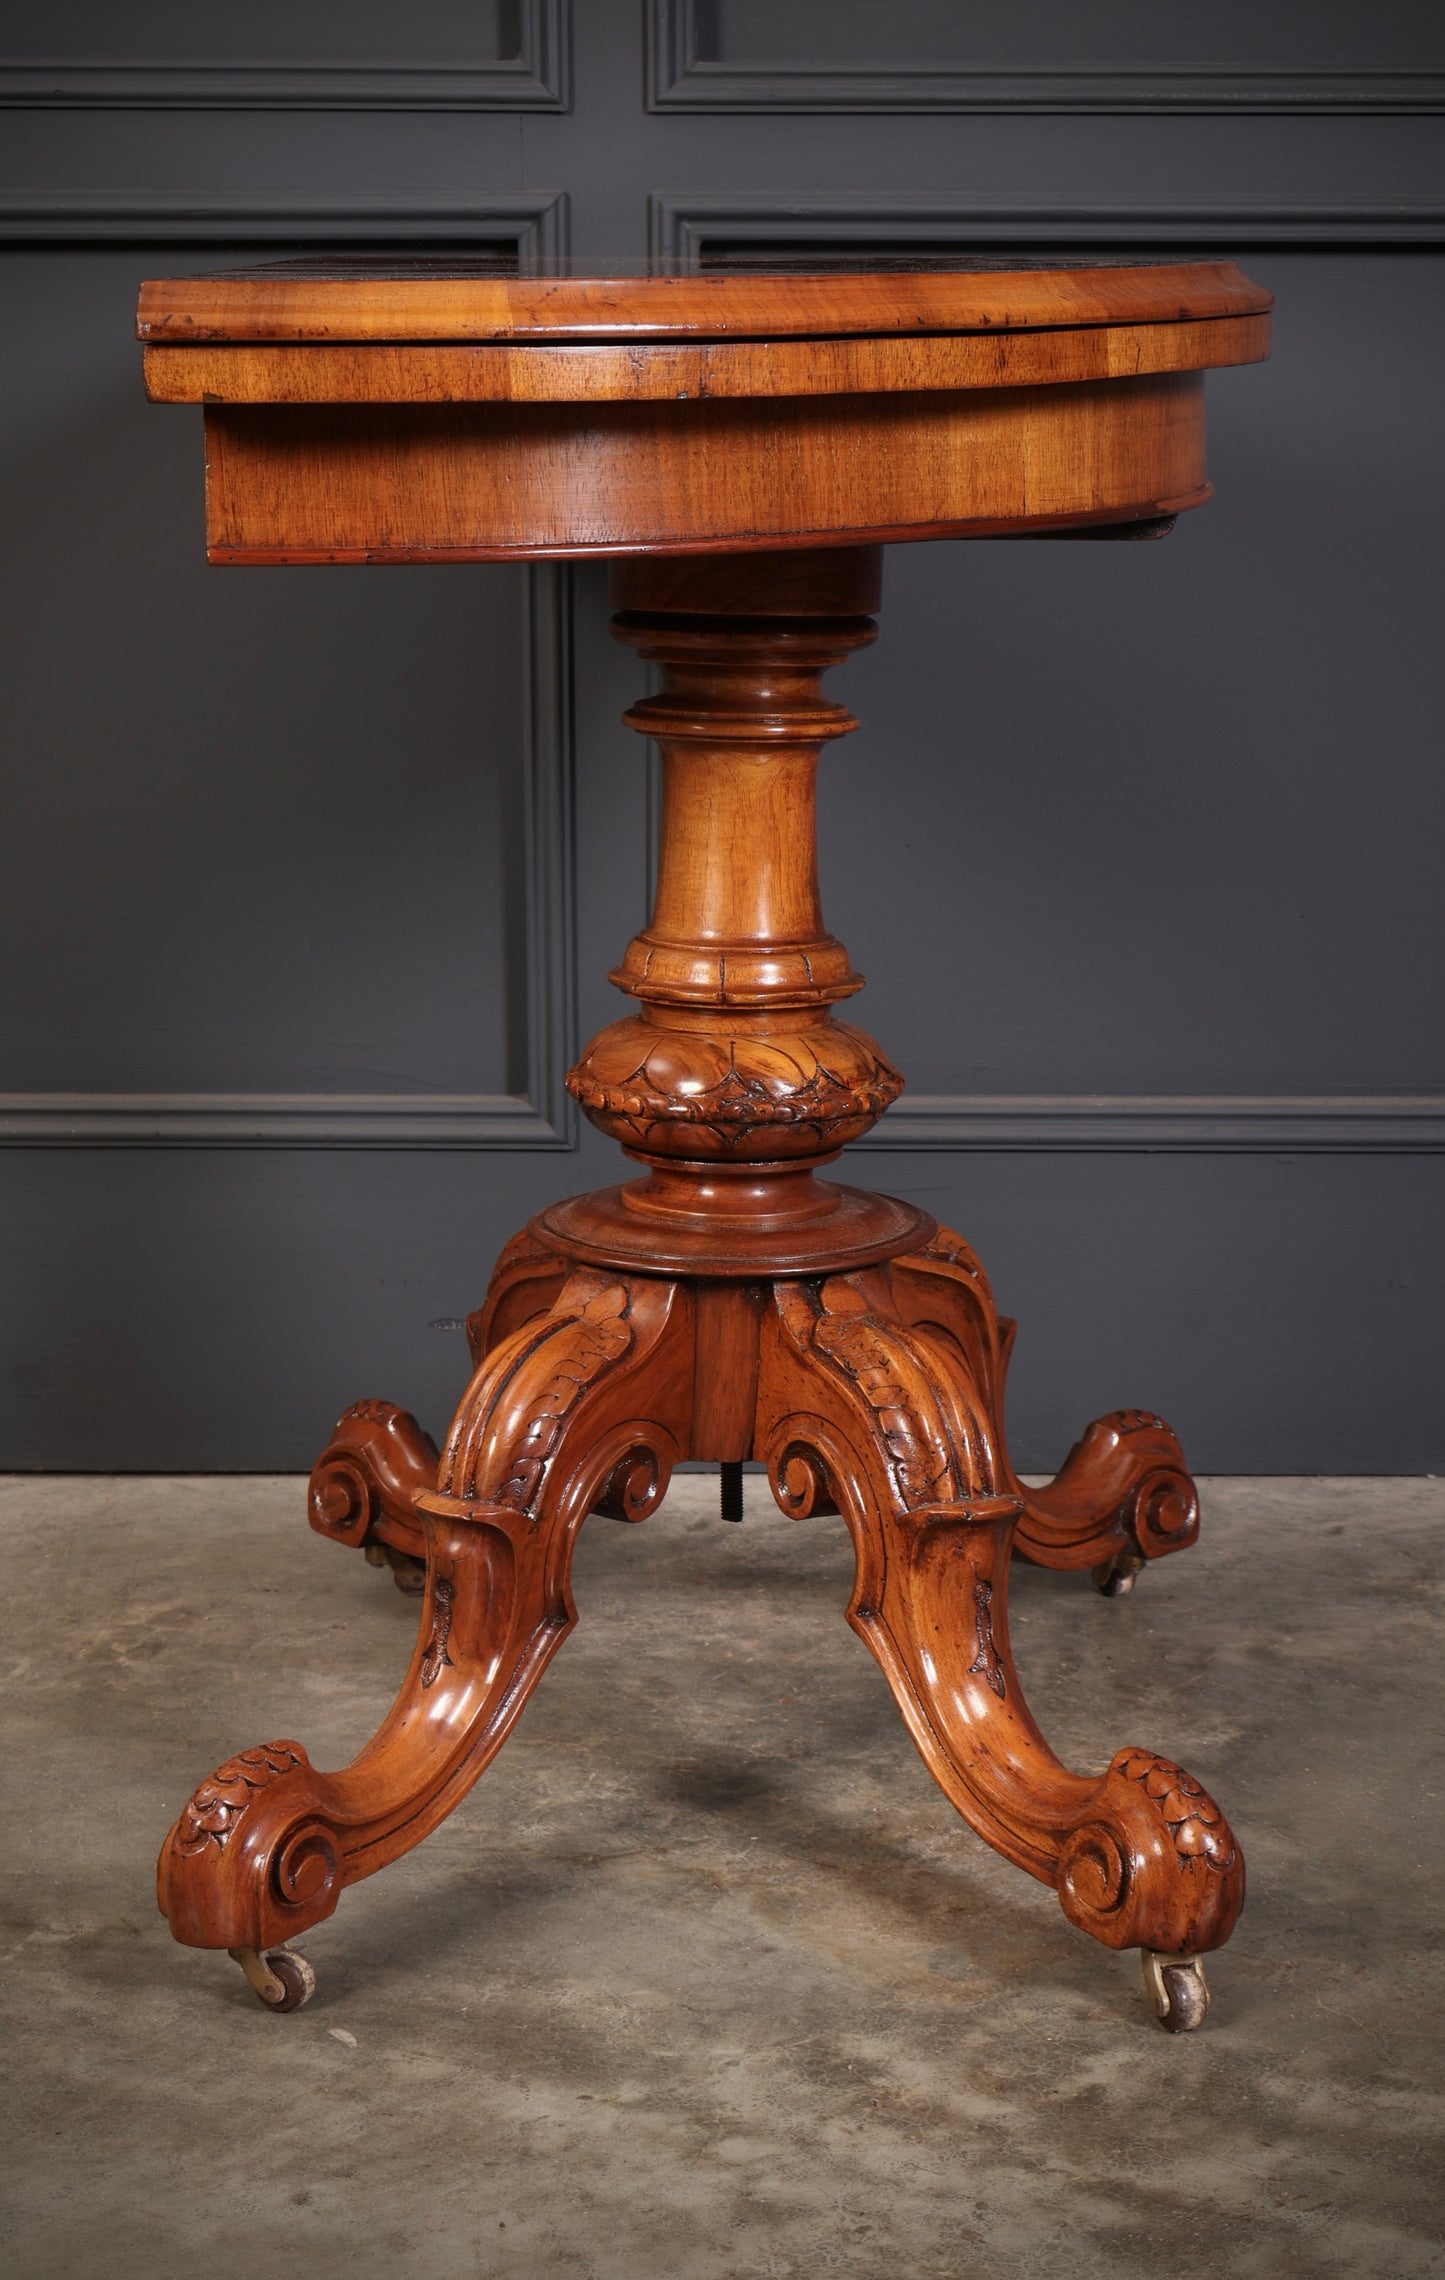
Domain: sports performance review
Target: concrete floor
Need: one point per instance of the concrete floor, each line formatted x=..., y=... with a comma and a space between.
x=705, y=1978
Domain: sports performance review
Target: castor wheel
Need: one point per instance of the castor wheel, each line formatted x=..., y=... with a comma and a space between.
x=283, y=1981
x=407, y=1574
x=1177, y=1988
x=1116, y=1575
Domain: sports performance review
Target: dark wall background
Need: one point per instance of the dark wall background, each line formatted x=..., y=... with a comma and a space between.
x=312, y=875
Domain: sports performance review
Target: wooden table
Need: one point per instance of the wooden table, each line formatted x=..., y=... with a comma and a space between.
x=741, y=446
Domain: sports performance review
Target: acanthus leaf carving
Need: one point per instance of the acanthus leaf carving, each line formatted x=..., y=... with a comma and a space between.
x=946, y=1249
x=580, y=1353
x=369, y=1413
x=209, y=1820
x=873, y=1352
x=1199, y=1830
x=523, y=1262
x=575, y=1344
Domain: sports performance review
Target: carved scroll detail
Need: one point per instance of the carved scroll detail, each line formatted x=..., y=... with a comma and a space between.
x=363, y=1483
x=1137, y=1421
x=600, y=1337
x=1122, y=1491
x=986, y=1664
x=946, y=1249
x=210, y=1818
x=586, y=1334
x=524, y=1267
x=436, y=1659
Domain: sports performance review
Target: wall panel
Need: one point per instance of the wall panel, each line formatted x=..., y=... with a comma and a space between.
x=1044, y=55
x=447, y=55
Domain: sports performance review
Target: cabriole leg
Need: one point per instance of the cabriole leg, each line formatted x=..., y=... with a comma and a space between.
x=889, y=1422
x=585, y=1408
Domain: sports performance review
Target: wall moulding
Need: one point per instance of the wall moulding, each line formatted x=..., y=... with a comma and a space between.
x=697, y=229
x=1205, y=1124
x=715, y=55
x=529, y=227
x=527, y=69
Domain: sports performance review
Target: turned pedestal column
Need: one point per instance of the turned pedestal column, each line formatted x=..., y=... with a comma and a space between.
x=735, y=1080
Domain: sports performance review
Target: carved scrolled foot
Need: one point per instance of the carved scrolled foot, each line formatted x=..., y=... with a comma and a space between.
x=1177, y=1989
x=364, y=1484
x=251, y=1860
x=1151, y=1861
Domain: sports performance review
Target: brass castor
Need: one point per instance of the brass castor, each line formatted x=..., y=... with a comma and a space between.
x=1177, y=1988
x=1116, y=1575
x=283, y=1981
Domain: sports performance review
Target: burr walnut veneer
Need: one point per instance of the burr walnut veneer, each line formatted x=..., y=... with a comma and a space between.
x=742, y=445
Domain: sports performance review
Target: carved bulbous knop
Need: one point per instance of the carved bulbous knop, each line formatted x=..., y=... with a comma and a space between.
x=734, y=1095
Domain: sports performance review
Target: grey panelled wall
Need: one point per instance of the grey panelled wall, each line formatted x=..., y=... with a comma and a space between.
x=313, y=875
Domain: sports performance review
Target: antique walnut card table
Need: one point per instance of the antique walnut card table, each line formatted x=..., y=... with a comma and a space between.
x=742, y=446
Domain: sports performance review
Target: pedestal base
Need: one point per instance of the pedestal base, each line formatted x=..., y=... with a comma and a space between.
x=876, y=1392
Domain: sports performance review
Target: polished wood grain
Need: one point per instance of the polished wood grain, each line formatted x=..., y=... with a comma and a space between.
x=366, y=419
x=356, y=303
x=735, y=1079
x=403, y=483
x=730, y=1302
x=886, y=364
